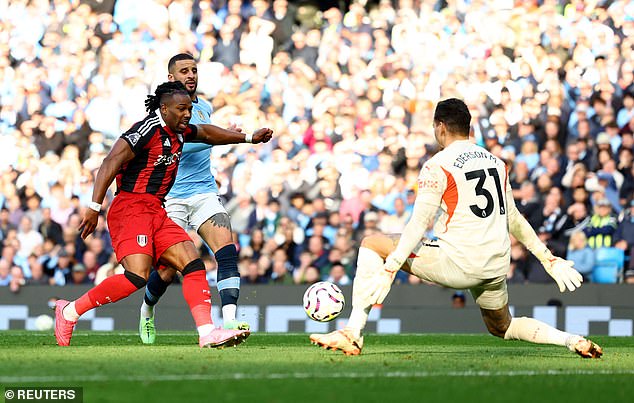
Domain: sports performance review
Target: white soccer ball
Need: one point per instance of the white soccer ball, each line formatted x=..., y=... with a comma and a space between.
x=44, y=322
x=323, y=301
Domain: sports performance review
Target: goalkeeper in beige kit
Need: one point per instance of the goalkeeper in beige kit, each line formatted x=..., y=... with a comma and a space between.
x=471, y=187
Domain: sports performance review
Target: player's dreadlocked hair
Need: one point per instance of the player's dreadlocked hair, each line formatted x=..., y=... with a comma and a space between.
x=153, y=101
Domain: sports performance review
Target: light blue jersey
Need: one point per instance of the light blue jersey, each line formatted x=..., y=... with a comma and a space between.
x=194, y=170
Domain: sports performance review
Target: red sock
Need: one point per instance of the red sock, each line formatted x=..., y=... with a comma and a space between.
x=112, y=289
x=198, y=297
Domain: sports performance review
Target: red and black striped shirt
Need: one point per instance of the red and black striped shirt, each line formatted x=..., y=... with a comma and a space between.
x=157, y=153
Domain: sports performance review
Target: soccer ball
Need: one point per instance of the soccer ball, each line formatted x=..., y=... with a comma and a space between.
x=323, y=301
x=44, y=322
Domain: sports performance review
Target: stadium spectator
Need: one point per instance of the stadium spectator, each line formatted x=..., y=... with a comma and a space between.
x=555, y=222
x=624, y=235
x=280, y=268
x=250, y=272
x=458, y=300
x=602, y=226
x=17, y=279
x=38, y=276
x=581, y=254
x=50, y=229
x=337, y=274
x=80, y=276
x=59, y=268
x=28, y=237
x=318, y=250
x=5, y=272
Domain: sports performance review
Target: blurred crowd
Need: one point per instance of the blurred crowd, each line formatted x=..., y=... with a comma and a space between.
x=349, y=94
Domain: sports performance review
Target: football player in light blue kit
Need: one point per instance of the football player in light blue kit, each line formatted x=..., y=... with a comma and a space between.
x=194, y=201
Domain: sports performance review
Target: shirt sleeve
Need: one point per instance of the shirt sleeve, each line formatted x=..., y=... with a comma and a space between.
x=136, y=141
x=432, y=183
x=190, y=133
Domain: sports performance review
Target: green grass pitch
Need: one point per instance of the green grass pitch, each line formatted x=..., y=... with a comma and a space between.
x=116, y=367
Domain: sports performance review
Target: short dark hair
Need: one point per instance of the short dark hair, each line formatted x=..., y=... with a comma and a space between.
x=169, y=88
x=454, y=113
x=178, y=57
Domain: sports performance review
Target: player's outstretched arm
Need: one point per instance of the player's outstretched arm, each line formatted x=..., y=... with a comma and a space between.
x=214, y=135
x=119, y=155
x=432, y=183
x=559, y=269
x=430, y=189
x=194, y=147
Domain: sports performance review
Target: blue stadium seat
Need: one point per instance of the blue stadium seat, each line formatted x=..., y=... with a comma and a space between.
x=605, y=274
x=608, y=265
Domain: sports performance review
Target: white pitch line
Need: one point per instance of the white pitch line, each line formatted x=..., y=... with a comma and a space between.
x=301, y=375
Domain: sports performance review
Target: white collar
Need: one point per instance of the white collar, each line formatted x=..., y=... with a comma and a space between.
x=158, y=113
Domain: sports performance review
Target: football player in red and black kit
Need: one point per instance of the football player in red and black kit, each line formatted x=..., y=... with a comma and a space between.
x=144, y=162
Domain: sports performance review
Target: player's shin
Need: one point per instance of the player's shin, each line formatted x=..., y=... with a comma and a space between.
x=228, y=281
x=534, y=331
x=368, y=265
x=197, y=295
x=112, y=289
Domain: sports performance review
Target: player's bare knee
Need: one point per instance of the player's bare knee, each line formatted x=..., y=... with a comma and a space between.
x=378, y=243
x=216, y=231
x=167, y=274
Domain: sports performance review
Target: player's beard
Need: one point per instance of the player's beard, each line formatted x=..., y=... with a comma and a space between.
x=192, y=92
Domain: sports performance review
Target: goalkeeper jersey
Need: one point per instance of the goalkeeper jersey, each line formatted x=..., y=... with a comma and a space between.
x=471, y=187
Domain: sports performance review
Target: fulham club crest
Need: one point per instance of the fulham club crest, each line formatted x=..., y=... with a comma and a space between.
x=141, y=240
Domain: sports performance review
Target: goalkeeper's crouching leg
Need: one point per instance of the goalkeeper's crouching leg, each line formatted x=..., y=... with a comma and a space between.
x=369, y=263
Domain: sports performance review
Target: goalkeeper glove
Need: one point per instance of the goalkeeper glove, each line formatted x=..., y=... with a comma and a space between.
x=563, y=273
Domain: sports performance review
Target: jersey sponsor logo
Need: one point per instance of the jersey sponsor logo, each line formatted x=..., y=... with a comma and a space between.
x=428, y=184
x=167, y=159
x=133, y=138
x=141, y=240
x=167, y=143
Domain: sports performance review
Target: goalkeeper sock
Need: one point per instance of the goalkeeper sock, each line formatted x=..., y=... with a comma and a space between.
x=534, y=331
x=368, y=264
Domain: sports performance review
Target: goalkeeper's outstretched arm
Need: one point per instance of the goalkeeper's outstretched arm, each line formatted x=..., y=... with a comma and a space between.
x=559, y=269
